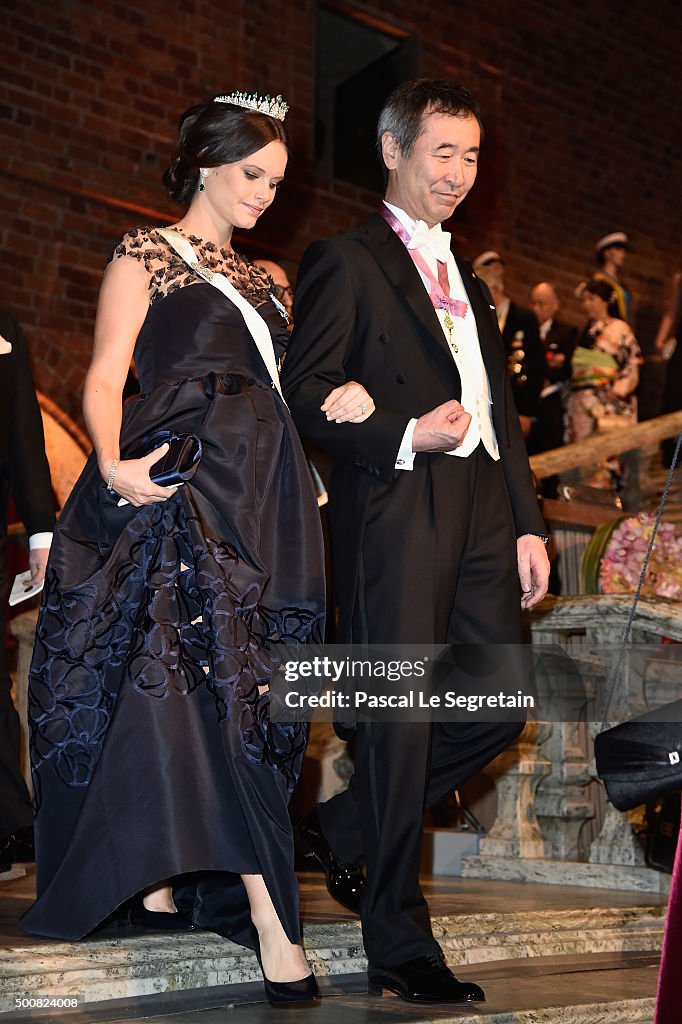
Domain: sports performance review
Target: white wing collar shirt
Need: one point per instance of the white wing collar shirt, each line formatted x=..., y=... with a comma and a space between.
x=434, y=246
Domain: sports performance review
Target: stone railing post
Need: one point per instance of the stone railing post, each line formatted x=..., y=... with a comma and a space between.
x=546, y=786
x=515, y=833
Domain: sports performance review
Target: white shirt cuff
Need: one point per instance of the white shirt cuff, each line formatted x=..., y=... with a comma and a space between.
x=39, y=540
x=405, y=458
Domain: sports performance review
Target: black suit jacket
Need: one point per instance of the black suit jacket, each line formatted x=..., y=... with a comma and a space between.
x=24, y=471
x=548, y=431
x=521, y=334
x=362, y=313
x=560, y=338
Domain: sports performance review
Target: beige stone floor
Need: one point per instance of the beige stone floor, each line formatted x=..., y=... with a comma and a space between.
x=444, y=895
x=471, y=895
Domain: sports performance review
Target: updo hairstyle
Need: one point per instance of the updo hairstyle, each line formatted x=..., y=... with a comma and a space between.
x=600, y=288
x=212, y=134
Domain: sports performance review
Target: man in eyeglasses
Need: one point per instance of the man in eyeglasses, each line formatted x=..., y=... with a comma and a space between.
x=283, y=289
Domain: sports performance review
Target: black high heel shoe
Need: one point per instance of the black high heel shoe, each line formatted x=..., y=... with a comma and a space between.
x=160, y=920
x=291, y=993
x=287, y=993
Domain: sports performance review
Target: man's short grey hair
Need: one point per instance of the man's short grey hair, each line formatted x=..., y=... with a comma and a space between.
x=403, y=111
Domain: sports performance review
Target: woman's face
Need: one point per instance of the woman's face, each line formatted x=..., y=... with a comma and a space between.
x=239, y=193
x=595, y=307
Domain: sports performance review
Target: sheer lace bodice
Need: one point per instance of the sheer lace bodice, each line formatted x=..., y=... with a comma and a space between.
x=191, y=329
x=168, y=272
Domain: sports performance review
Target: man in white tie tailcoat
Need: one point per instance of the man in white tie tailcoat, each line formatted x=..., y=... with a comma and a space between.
x=24, y=476
x=437, y=536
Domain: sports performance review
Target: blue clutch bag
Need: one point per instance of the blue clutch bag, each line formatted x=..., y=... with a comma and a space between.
x=180, y=462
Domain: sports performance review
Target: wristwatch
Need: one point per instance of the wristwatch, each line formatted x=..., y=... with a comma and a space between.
x=543, y=537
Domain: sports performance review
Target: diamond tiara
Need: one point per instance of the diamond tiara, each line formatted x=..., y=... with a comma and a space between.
x=274, y=106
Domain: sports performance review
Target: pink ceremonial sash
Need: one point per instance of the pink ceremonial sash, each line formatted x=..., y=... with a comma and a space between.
x=440, y=289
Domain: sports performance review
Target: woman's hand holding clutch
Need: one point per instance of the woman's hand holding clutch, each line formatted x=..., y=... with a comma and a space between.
x=131, y=480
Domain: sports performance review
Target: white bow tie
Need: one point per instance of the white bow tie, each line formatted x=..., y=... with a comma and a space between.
x=434, y=239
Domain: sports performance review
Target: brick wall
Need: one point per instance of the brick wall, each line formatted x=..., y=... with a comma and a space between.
x=580, y=104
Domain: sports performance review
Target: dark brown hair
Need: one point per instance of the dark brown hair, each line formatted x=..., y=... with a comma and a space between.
x=212, y=134
x=602, y=289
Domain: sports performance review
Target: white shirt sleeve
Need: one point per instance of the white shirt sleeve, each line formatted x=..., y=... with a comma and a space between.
x=39, y=540
x=405, y=458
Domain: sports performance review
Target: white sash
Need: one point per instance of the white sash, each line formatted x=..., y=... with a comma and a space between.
x=258, y=329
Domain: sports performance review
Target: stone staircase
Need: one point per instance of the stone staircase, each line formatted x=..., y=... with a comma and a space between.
x=543, y=956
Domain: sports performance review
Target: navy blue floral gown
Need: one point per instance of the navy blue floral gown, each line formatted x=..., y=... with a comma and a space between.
x=154, y=756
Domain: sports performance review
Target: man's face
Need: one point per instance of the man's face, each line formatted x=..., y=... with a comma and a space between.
x=616, y=254
x=493, y=275
x=434, y=179
x=544, y=302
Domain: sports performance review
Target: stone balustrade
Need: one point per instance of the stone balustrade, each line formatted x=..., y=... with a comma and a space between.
x=554, y=824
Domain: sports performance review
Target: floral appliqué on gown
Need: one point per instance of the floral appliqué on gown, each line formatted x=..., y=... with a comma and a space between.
x=159, y=625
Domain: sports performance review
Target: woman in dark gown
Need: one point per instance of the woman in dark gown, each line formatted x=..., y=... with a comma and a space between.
x=159, y=776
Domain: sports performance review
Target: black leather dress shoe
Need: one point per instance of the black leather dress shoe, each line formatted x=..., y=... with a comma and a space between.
x=7, y=853
x=24, y=846
x=17, y=848
x=426, y=979
x=345, y=881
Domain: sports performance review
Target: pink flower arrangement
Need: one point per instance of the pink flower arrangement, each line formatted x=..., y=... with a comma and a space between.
x=621, y=564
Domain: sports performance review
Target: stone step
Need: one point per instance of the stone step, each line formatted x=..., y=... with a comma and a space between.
x=558, y=990
x=478, y=938
x=602, y=989
x=124, y=965
x=554, y=872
